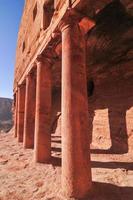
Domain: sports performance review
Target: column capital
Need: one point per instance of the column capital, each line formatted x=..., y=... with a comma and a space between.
x=70, y=19
x=86, y=24
x=33, y=65
x=16, y=88
x=16, y=91
x=42, y=58
x=21, y=85
x=31, y=75
x=28, y=76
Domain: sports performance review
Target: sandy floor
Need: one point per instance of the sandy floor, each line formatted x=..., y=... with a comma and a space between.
x=22, y=179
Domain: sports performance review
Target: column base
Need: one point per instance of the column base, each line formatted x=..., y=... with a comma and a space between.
x=75, y=195
x=28, y=146
x=43, y=160
x=43, y=156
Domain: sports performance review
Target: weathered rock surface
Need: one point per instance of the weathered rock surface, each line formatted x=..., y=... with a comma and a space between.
x=110, y=42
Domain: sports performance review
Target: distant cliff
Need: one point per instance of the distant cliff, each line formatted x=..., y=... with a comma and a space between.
x=5, y=114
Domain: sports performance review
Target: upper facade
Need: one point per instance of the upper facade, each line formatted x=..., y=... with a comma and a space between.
x=39, y=21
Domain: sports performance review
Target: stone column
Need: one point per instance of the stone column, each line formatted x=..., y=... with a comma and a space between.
x=43, y=111
x=20, y=116
x=29, y=118
x=15, y=114
x=76, y=168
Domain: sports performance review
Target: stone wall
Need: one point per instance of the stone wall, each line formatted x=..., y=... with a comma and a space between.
x=32, y=24
x=109, y=68
x=111, y=112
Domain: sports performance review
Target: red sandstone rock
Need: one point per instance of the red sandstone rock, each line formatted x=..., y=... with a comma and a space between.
x=43, y=111
x=104, y=72
x=20, y=114
x=29, y=118
x=76, y=173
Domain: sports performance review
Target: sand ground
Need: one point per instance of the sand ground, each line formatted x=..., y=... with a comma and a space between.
x=22, y=179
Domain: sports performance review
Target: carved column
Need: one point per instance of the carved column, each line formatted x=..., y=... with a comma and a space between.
x=29, y=119
x=20, y=116
x=43, y=111
x=15, y=114
x=76, y=169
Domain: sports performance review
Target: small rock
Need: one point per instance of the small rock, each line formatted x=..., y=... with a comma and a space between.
x=39, y=184
x=26, y=165
x=35, y=190
x=21, y=154
x=3, y=162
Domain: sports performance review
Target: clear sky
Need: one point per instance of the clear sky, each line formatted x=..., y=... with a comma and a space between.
x=10, y=16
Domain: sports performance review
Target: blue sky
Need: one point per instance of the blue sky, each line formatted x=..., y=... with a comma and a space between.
x=10, y=16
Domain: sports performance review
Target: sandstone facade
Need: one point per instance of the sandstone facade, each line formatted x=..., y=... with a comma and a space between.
x=74, y=57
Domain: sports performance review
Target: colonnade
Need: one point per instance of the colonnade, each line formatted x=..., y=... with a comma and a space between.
x=33, y=111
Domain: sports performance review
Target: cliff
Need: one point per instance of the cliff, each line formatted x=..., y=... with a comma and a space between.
x=5, y=114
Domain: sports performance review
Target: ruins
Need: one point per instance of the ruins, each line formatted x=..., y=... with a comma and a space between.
x=73, y=77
